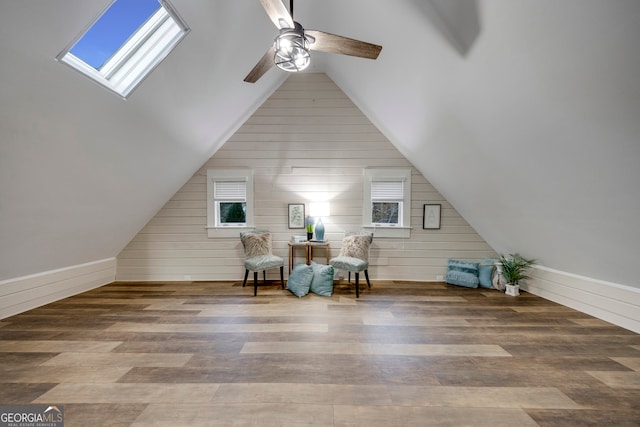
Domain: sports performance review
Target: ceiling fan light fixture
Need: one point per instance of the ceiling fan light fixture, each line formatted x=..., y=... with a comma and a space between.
x=292, y=49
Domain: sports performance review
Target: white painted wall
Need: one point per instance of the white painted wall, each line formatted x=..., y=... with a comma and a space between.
x=533, y=134
x=81, y=170
x=307, y=142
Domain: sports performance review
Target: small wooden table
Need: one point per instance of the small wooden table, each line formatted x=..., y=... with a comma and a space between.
x=308, y=248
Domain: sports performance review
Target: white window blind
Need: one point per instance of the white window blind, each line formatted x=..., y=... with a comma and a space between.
x=229, y=202
x=230, y=190
x=386, y=206
x=387, y=190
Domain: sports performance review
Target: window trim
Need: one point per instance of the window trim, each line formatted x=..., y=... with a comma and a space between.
x=403, y=230
x=138, y=56
x=213, y=175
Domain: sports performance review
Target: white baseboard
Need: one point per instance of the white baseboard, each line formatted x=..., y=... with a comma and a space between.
x=614, y=303
x=25, y=293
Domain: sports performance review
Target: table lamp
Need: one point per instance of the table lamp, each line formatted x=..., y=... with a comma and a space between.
x=319, y=209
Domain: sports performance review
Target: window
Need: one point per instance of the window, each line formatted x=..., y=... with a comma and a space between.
x=125, y=43
x=229, y=201
x=387, y=201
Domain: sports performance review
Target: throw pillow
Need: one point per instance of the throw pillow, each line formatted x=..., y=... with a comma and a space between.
x=299, y=281
x=464, y=266
x=322, y=283
x=356, y=246
x=485, y=272
x=461, y=278
x=256, y=243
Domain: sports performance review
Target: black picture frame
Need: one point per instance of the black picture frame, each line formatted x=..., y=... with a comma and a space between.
x=296, y=215
x=431, y=215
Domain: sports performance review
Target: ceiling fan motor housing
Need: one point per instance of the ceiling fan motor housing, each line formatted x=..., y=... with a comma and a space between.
x=292, y=49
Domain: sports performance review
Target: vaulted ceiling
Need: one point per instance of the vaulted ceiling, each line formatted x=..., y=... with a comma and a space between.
x=524, y=114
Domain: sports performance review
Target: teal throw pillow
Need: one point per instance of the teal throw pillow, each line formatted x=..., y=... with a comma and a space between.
x=461, y=278
x=464, y=266
x=485, y=272
x=322, y=283
x=299, y=281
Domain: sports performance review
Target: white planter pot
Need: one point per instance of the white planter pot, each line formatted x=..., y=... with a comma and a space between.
x=513, y=290
x=498, y=279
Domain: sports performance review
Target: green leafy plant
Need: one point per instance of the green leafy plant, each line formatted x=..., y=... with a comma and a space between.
x=309, y=224
x=515, y=267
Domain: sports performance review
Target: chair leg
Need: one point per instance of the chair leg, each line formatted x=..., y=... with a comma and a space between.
x=246, y=274
x=357, y=285
x=349, y=280
x=255, y=283
x=282, y=276
x=264, y=276
x=366, y=274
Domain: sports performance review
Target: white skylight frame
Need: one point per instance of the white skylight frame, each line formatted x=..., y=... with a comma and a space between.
x=138, y=56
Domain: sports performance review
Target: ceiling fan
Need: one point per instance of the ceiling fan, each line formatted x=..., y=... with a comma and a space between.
x=290, y=50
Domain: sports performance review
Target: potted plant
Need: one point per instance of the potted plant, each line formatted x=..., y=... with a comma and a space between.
x=514, y=269
x=309, y=227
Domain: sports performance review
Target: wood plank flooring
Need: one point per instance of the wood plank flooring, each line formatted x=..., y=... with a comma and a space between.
x=403, y=354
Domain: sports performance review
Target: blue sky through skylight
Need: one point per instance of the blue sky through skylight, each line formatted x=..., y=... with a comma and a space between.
x=112, y=30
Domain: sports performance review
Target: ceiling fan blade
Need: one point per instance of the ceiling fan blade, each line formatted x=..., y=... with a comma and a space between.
x=278, y=13
x=261, y=67
x=326, y=42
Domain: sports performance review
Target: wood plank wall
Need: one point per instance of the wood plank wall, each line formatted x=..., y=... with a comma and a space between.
x=25, y=293
x=307, y=142
x=618, y=304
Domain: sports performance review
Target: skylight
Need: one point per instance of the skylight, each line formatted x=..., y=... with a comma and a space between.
x=125, y=43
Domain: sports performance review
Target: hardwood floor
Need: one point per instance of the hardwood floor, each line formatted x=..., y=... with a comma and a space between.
x=403, y=354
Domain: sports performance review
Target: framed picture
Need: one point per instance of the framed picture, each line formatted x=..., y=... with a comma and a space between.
x=431, y=217
x=296, y=215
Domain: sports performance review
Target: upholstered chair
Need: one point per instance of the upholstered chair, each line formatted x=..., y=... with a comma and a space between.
x=258, y=257
x=354, y=256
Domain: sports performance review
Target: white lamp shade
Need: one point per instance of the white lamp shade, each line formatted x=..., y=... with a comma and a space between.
x=319, y=209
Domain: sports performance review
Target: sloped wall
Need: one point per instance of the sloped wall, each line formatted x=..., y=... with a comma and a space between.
x=307, y=142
